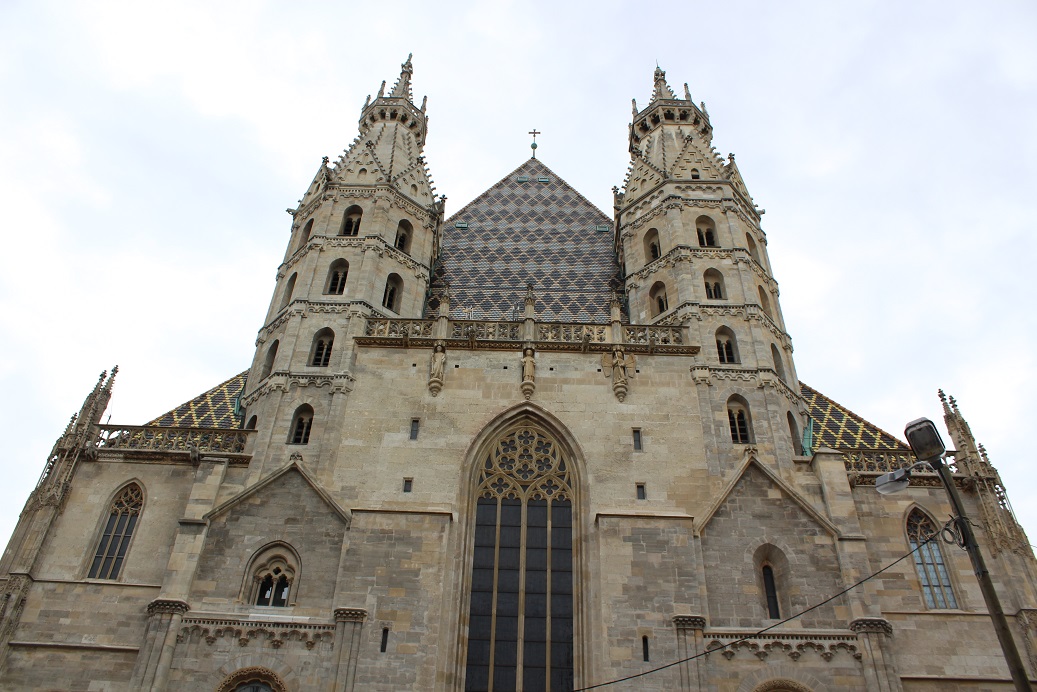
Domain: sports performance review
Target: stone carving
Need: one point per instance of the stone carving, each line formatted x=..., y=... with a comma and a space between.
x=872, y=625
x=620, y=367
x=437, y=369
x=170, y=606
x=528, y=372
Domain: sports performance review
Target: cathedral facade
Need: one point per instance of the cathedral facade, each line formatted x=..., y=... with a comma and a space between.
x=529, y=446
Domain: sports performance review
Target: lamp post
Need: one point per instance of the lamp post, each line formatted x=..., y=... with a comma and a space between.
x=928, y=447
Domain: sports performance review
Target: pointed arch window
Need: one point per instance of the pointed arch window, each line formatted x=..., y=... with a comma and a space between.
x=727, y=346
x=302, y=421
x=659, y=301
x=714, y=281
x=351, y=221
x=932, y=572
x=289, y=289
x=393, y=292
x=707, y=231
x=520, y=632
x=323, y=341
x=268, y=362
x=653, y=250
x=273, y=571
x=337, y=273
x=404, y=233
x=118, y=531
x=305, y=236
x=738, y=420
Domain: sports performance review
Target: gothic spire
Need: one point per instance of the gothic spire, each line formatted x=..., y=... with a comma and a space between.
x=662, y=89
x=402, y=87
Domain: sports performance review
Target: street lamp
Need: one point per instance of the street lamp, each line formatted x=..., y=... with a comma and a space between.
x=928, y=447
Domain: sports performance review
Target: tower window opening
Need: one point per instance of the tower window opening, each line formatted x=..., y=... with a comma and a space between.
x=273, y=574
x=764, y=302
x=773, y=612
x=351, y=221
x=393, y=290
x=404, y=232
x=738, y=420
x=707, y=231
x=658, y=298
x=268, y=362
x=653, y=249
x=694, y=172
x=301, y=423
x=337, y=273
x=753, y=251
x=305, y=236
x=714, y=281
x=289, y=289
x=323, y=341
x=415, y=424
x=640, y=491
x=637, y=440
x=408, y=484
x=727, y=346
x=385, y=640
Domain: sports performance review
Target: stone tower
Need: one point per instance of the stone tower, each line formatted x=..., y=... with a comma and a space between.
x=363, y=238
x=693, y=253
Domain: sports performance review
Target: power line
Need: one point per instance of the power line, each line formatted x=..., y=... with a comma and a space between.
x=765, y=629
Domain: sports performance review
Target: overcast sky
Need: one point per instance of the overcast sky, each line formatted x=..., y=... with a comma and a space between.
x=148, y=152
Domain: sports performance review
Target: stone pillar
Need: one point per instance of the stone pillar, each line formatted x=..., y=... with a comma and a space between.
x=875, y=638
x=156, y=656
x=690, y=642
x=348, y=623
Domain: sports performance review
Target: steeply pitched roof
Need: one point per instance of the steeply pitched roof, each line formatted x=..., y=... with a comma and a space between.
x=211, y=409
x=838, y=427
x=835, y=426
x=538, y=231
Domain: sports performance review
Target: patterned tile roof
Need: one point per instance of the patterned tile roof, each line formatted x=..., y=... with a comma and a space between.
x=835, y=426
x=838, y=427
x=212, y=409
x=538, y=231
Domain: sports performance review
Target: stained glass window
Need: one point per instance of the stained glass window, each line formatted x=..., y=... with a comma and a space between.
x=936, y=583
x=122, y=519
x=521, y=609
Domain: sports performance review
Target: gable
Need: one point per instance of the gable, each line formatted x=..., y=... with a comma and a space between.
x=531, y=227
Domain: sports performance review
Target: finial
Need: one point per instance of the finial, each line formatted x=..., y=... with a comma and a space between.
x=633, y=105
x=703, y=106
x=402, y=87
x=533, y=146
x=954, y=405
x=662, y=89
x=367, y=101
x=687, y=92
x=381, y=90
x=983, y=453
x=324, y=161
x=424, y=100
x=530, y=298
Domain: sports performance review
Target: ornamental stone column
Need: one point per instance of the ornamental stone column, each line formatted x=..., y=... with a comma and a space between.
x=348, y=623
x=875, y=639
x=690, y=642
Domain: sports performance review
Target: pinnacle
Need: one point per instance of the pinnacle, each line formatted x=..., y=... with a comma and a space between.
x=662, y=89
x=402, y=87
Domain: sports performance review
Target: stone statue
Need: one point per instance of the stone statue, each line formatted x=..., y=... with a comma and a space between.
x=620, y=367
x=528, y=365
x=437, y=367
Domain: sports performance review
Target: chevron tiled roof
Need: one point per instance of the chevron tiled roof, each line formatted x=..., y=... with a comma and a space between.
x=838, y=427
x=212, y=409
x=538, y=231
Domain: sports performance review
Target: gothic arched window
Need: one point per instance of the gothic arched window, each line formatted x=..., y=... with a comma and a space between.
x=653, y=250
x=522, y=569
x=302, y=421
x=118, y=530
x=707, y=231
x=351, y=221
x=739, y=421
x=657, y=296
x=268, y=362
x=727, y=346
x=337, y=273
x=765, y=303
x=932, y=573
x=714, y=281
x=289, y=289
x=273, y=572
x=779, y=366
x=393, y=293
x=323, y=341
x=404, y=232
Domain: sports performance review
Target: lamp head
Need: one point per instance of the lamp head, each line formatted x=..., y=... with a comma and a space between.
x=894, y=481
x=924, y=439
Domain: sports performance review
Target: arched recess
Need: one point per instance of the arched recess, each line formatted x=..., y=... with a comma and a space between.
x=268, y=361
x=524, y=463
x=277, y=563
x=714, y=282
x=351, y=221
x=305, y=236
x=765, y=303
x=770, y=561
x=659, y=301
x=653, y=250
x=797, y=438
x=289, y=289
x=252, y=679
x=706, y=229
x=779, y=364
x=404, y=235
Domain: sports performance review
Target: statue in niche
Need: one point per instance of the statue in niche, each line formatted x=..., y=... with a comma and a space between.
x=437, y=368
x=619, y=367
x=528, y=372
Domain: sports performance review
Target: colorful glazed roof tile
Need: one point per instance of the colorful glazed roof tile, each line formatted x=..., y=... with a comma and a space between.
x=838, y=427
x=213, y=409
x=531, y=227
